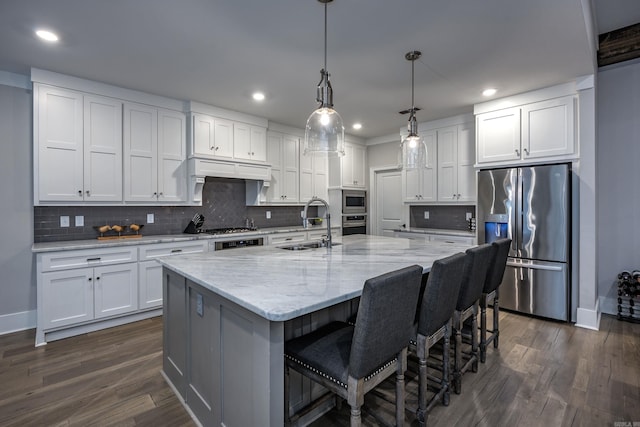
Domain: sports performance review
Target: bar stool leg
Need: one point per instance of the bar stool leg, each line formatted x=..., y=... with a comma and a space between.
x=483, y=329
x=474, y=339
x=496, y=315
x=400, y=368
x=423, y=354
x=445, y=365
x=457, y=364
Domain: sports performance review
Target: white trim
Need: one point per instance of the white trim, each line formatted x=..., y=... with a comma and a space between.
x=14, y=322
x=222, y=113
x=277, y=127
x=543, y=94
x=372, y=216
x=14, y=80
x=395, y=137
x=103, y=89
x=589, y=319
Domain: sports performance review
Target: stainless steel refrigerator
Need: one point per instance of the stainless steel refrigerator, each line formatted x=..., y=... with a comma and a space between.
x=532, y=206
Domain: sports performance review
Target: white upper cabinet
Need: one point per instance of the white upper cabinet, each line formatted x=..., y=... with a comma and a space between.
x=456, y=174
x=313, y=177
x=78, y=140
x=282, y=154
x=421, y=185
x=249, y=142
x=212, y=137
x=155, y=153
x=349, y=171
x=536, y=131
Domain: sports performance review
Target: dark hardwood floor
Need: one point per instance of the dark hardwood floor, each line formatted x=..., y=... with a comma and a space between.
x=544, y=374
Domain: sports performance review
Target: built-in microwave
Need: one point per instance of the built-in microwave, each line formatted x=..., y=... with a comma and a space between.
x=354, y=201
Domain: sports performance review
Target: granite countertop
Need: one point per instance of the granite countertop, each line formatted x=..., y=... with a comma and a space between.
x=69, y=245
x=442, y=231
x=280, y=285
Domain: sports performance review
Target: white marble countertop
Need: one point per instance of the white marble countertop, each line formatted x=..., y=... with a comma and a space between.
x=280, y=285
x=69, y=245
x=442, y=231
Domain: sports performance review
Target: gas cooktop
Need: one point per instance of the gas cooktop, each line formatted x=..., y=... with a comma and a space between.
x=229, y=230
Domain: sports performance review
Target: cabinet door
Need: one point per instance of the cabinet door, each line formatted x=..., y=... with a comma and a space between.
x=498, y=135
x=290, y=162
x=242, y=141
x=429, y=175
x=347, y=166
x=465, y=159
x=306, y=177
x=115, y=289
x=274, y=157
x=447, y=164
x=172, y=173
x=258, y=144
x=412, y=185
x=140, y=153
x=60, y=145
x=203, y=135
x=320, y=177
x=102, y=149
x=548, y=128
x=149, y=284
x=67, y=297
x=359, y=159
x=223, y=138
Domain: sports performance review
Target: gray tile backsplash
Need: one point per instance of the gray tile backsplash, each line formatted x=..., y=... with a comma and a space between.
x=223, y=206
x=451, y=217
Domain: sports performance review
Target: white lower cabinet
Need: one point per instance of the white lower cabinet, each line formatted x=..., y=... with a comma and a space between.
x=433, y=237
x=293, y=237
x=85, y=294
x=150, y=271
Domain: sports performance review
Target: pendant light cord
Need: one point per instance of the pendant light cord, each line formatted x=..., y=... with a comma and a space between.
x=325, y=37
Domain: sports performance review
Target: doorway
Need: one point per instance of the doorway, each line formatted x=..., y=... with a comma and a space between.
x=388, y=209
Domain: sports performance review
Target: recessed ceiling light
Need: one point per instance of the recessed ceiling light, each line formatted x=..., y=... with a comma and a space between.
x=489, y=92
x=357, y=126
x=47, y=35
x=258, y=96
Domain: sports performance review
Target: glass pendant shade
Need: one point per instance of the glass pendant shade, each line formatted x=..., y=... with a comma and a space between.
x=413, y=150
x=324, y=133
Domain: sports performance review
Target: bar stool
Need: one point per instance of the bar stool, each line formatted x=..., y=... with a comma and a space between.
x=490, y=295
x=434, y=324
x=474, y=275
x=351, y=360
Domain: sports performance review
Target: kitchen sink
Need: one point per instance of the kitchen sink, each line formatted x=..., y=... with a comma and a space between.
x=306, y=245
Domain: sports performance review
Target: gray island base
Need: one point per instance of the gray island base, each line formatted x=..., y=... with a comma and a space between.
x=227, y=315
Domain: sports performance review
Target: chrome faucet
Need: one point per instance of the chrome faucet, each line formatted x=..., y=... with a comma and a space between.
x=305, y=221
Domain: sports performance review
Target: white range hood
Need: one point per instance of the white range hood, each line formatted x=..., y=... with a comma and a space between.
x=200, y=168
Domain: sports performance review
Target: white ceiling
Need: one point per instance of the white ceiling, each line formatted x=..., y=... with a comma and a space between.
x=219, y=51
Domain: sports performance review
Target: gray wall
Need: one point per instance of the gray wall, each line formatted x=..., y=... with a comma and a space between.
x=17, y=275
x=618, y=184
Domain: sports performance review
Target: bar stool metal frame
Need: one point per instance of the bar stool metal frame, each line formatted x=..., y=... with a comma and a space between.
x=436, y=308
x=490, y=295
x=352, y=360
x=477, y=263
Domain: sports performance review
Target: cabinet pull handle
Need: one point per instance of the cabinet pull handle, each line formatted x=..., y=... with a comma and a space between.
x=289, y=238
x=526, y=151
x=217, y=148
x=175, y=251
x=93, y=259
x=517, y=152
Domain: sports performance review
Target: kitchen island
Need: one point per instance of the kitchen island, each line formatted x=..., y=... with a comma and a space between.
x=227, y=315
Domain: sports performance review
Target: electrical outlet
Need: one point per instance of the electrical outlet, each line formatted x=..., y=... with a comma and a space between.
x=79, y=220
x=469, y=216
x=268, y=214
x=199, y=305
x=426, y=214
x=64, y=220
x=150, y=218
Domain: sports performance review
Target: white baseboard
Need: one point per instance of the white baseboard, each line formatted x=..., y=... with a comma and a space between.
x=15, y=322
x=589, y=319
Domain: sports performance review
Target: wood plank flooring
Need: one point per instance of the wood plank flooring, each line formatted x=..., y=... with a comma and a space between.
x=544, y=374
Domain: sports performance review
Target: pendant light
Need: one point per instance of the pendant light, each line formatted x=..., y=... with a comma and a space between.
x=413, y=149
x=324, y=132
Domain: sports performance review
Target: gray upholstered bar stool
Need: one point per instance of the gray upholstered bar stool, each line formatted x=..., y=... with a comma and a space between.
x=490, y=294
x=350, y=360
x=477, y=262
x=434, y=324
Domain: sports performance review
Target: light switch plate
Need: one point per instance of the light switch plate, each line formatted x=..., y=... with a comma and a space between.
x=150, y=218
x=79, y=220
x=268, y=214
x=426, y=214
x=64, y=220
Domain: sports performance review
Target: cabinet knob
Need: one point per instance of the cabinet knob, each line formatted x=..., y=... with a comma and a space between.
x=526, y=151
x=90, y=279
x=161, y=194
x=88, y=193
x=517, y=152
x=217, y=148
x=212, y=148
x=80, y=193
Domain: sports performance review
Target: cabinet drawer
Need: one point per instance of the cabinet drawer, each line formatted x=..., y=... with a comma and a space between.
x=451, y=239
x=65, y=260
x=165, y=249
x=288, y=238
x=321, y=234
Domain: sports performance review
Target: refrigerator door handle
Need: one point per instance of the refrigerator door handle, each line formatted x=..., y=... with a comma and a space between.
x=535, y=266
